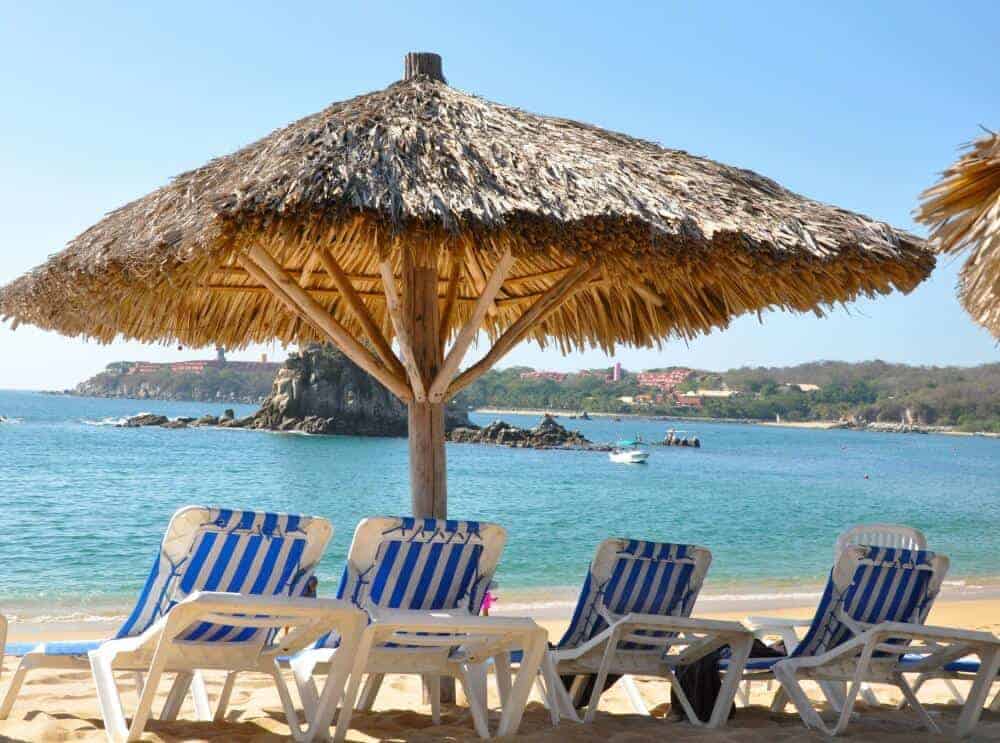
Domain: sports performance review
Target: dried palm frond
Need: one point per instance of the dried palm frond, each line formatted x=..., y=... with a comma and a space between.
x=963, y=212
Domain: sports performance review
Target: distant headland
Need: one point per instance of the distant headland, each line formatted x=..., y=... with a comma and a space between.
x=874, y=395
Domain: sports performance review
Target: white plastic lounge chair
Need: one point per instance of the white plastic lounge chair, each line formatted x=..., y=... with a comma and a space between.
x=422, y=582
x=871, y=614
x=633, y=617
x=788, y=629
x=182, y=624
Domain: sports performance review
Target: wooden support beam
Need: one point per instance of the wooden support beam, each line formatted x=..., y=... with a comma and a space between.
x=350, y=295
x=428, y=478
x=549, y=302
x=468, y=333
x=259, y=264
x=476, y=275
x=401, y=326
x=450, y=299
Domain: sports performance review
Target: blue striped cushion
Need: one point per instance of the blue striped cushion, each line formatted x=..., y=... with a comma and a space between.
x=647, y=578
x=890, y=584
x=234, y=551
x=420, y=564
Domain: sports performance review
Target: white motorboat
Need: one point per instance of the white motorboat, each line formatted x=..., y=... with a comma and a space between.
x=626, y=452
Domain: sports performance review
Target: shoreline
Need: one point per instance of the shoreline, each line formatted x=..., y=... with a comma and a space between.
x=820, y=425
x=68, y=616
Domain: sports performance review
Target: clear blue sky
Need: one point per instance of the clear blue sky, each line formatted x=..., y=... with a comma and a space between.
x=858, y=104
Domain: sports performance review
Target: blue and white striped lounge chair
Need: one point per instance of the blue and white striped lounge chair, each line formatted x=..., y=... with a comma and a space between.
x=633, y=616
x=873, y=534
x=871, y=613
x=421, y=582
x=221, y=585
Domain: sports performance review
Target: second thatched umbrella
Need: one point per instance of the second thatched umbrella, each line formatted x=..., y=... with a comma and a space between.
x=963, y=212
x=422, y=216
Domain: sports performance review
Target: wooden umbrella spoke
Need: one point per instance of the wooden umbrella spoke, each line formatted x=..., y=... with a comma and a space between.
x=346, y=288
x=544, y=306
x=402, y=329
x=468, y=333
x=259, y=263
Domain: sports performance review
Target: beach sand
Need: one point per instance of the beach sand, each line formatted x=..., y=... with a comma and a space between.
x=58, y=706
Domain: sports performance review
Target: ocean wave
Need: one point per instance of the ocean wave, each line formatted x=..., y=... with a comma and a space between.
x=104, y=422
x=11, y=421
x=75, y=617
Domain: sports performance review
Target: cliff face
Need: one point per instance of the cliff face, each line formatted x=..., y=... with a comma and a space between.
x=319, y=390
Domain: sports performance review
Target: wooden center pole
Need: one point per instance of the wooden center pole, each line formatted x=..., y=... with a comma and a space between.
x=428, y=478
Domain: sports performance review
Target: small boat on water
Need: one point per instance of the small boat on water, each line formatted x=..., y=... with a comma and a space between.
x=627, y=452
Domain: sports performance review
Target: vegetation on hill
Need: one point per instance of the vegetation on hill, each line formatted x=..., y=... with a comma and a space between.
x=223, y=385
x=965, y=397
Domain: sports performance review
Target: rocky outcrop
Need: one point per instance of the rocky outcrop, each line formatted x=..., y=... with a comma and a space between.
x=144, y=419
x=319, y=390
x=548, y=434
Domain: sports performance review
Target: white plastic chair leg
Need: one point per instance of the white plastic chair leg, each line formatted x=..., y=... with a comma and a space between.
x=434, y=692
x=224, y=696
x=955, y=693
x=501, y=665
x=517, y=698
x=470, y=680
x=199, y=695
x=370, y=691
x=730, y=683
x=989, y=665
x=791, y=690
x=350, y=696
x=14, y=687
x=178, y=690
x=302, y=667
x=108, y=698
x=600, y=678
x=743, y=694
x=634, y=697
x=915, y=705
x=145, y=707
x=780, y=700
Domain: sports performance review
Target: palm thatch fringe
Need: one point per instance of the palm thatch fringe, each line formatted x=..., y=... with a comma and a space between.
x=963, y=212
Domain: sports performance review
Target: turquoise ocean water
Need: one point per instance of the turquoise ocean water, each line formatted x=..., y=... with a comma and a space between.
x=85, y=503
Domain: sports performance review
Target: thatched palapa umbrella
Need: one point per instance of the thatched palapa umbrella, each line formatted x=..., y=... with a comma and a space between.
x=421, y=216
x=963, y=212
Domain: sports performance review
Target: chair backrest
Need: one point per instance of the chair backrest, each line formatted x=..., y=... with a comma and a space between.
x=869, y=585
x=881, y=535
x=629, y=575
x=422, y=564
x=221, y=549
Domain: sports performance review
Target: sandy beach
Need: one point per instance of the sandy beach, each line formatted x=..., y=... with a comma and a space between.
x=58, y=706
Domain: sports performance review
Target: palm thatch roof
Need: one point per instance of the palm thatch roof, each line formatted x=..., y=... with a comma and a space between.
x=963, y=212
x=678, y=244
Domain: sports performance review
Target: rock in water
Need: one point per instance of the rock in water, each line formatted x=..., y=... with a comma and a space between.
x=548, y=434
x=319, y=390
x=144, y=419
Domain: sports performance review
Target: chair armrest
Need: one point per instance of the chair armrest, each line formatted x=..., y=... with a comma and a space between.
x=307, y=618
x=682, y=624
x=758, y=622
x=904, y=630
